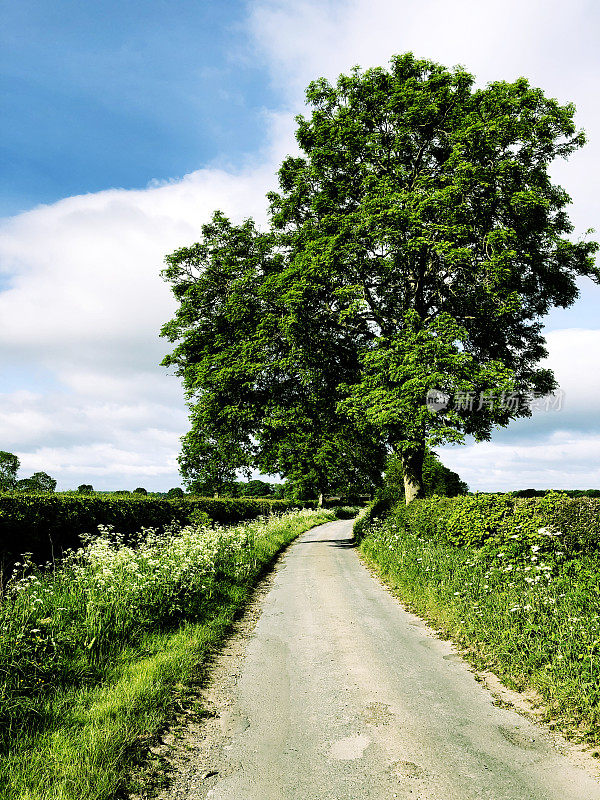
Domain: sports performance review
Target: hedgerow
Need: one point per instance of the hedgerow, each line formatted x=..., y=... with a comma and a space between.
x=45, y=525
x=504, y=520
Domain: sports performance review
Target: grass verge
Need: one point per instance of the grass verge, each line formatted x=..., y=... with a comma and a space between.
x=528, y=612
x=94, y=656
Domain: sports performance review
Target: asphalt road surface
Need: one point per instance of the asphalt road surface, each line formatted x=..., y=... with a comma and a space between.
x=340, y=694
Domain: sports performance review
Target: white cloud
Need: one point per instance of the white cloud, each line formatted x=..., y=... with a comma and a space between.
x=552, y=449
x=85, y=300
x=561, y=461
x=85, y=270
x=497, y=39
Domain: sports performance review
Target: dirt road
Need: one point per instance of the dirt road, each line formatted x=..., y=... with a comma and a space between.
x=339, y=694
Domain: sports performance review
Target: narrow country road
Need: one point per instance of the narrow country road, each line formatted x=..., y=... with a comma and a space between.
x=340, y=694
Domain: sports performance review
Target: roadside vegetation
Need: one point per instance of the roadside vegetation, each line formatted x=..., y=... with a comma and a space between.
x=514, y=582
x=94, y=652
x=46, y=525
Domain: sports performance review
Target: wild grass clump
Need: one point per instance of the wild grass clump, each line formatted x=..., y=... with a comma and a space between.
x=524, y=604
x=90, y=650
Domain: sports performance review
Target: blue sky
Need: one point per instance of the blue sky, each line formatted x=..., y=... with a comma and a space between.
x=124, y=125
x=116, y=94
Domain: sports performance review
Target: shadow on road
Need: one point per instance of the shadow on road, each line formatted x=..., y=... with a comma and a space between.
x=333, y=542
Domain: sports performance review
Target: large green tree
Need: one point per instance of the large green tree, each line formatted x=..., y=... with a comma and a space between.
x=261, y=393
x=414, y=246
x=424, y=208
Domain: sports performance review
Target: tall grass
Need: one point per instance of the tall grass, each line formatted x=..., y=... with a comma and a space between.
x=90, y=651
x=528, y=611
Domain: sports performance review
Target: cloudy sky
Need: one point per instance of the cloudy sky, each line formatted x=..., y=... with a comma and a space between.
x=124, y=124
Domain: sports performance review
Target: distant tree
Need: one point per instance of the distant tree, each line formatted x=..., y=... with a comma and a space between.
x=140, y=490
x=122, y=492
x=85, y=488
x=256, y=488
x=439, y=479
x=177, y=491
x=207, y=462
x=9, y=467
x=279, y=490
x=39, y=482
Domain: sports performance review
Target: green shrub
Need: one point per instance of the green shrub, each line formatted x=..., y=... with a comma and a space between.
x=199, y=517
x=369, y=515
x=346, y=512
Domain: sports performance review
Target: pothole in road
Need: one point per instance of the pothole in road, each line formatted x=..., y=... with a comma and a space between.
x=407, y=769
x=377, y=714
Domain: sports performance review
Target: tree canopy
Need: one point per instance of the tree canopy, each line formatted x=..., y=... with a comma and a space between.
x=38, y=482
x=413, y=247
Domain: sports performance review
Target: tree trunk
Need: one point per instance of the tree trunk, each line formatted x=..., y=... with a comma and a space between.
x=412, y=468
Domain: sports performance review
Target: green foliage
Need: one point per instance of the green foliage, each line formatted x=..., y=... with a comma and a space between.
x=257, y=398
x=255, y=488
x=199, y=518
x=514, y=581
x=47, y=525
x=140, y=490
x=568, y=492
x=346, y=512
x=38, y=482
x=371, y=515
x=85, y=488
x=415, y=244
x=552, y=522
x=439, y=479
x=9, y=467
